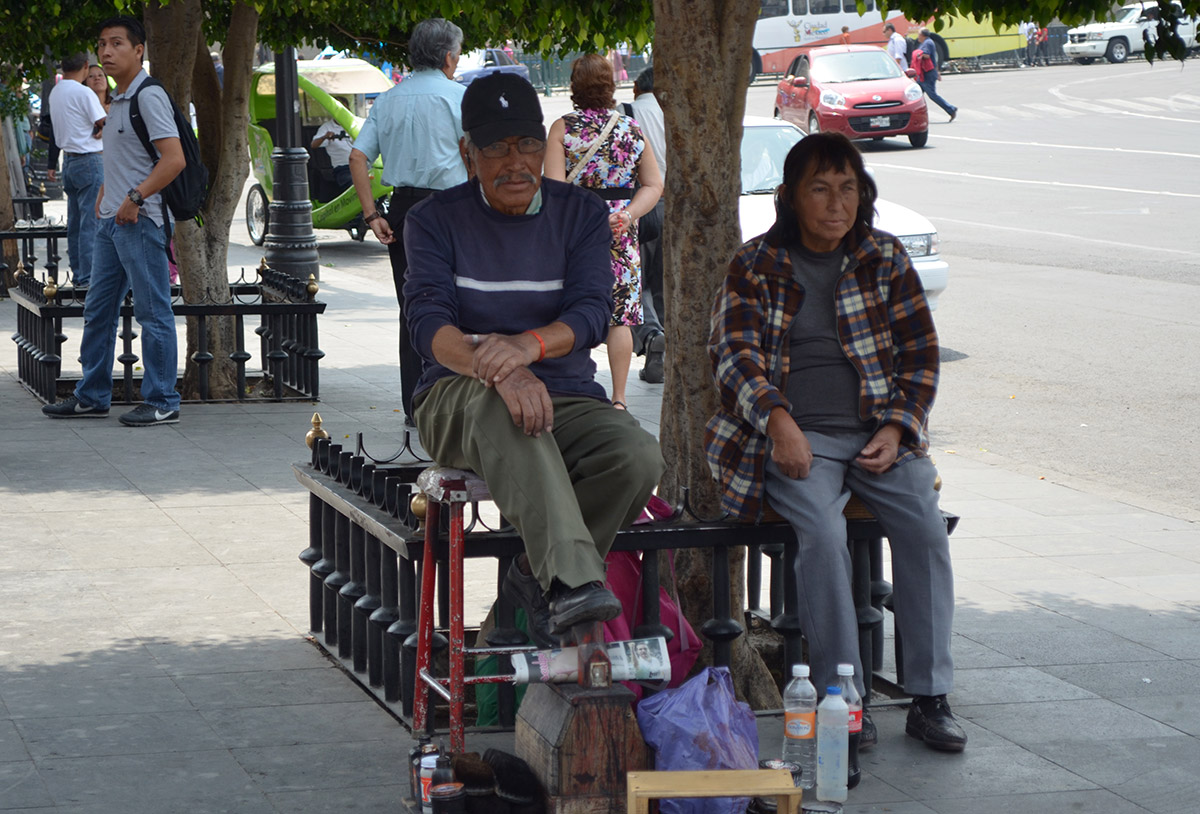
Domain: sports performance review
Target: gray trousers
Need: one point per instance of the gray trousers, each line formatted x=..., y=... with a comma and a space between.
x=906, y=505
x=568, y=491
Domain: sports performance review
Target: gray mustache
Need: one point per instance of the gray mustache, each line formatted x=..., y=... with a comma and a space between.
x=522, y=176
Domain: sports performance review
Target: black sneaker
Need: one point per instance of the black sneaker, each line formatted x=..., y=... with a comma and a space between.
x=930, y=720
x=869, y=736
x=652, y=371
x=523, y=590
x=73, y=408
x=591, y=602
x=146, y=415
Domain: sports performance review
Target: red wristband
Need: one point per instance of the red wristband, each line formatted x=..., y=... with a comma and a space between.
x=541, y=342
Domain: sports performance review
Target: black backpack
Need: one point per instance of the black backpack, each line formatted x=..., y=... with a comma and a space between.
x=185, y=195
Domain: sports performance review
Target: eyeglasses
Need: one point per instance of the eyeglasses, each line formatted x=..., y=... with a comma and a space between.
x=526, y=146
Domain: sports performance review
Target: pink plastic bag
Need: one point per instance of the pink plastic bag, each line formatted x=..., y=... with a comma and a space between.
x=625, y=581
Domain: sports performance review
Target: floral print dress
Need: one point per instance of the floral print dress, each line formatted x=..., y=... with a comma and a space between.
x=614, y=166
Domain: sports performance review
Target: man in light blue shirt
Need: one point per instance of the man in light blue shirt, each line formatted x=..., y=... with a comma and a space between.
x=415, y=127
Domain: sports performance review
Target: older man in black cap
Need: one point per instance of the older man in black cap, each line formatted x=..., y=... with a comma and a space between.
x=509, y=288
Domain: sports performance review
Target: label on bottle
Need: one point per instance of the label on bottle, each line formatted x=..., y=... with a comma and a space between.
x=855, y=721
x=800, y=725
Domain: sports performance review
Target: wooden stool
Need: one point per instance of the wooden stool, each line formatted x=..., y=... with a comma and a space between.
x=455, y=488
x=642, y=787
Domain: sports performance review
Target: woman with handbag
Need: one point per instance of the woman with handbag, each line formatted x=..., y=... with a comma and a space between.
x=598, y=148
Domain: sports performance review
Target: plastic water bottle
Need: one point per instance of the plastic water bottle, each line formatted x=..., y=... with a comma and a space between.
x=833, y=744
x=800, y=725
x=854, y=703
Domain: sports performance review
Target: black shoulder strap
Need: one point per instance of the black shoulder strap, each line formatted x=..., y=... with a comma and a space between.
x=139, y=127
x=139, y=124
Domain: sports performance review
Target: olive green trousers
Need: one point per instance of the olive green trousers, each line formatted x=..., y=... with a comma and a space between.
x=566, y=492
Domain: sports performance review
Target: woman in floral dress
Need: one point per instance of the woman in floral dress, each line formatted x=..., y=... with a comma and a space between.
x=622, y=170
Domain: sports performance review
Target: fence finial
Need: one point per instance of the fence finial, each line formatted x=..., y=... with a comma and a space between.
x=316, y=432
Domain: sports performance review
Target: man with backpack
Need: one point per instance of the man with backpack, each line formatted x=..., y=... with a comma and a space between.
x=131, y=240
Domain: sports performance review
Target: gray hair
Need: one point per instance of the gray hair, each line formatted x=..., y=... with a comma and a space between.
x=431, y=40
x=925, y=33
x=889, y=27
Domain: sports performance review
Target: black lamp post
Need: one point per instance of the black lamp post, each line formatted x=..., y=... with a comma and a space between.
x=291, y=244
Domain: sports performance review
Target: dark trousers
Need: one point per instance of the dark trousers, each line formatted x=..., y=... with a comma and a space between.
x=652, y=279
x=402, y=200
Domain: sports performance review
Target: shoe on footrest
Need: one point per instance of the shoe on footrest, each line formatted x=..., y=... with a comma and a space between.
x=930, y=720
x=870, y=733
x=523, y=590
x=591, y=602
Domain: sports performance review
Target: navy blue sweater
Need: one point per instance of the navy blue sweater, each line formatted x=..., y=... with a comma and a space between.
x=485, y=272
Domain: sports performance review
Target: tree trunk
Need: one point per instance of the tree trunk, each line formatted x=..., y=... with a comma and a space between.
x=202, y=249
x=702, y=57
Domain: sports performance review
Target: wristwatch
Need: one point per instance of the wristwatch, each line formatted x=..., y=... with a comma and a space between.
x=376, y=214
x=135, y=196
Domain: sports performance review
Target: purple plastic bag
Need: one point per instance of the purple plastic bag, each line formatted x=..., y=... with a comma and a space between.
x=700, y=725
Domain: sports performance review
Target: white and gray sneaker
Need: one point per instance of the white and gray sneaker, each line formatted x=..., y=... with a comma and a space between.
x=147, y=415
x=72, y=407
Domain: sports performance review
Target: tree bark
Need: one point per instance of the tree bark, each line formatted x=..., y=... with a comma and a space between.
x=702, y=55
x=9, y=253
x=202, y=248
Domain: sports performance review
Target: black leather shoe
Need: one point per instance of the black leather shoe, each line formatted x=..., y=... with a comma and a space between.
x=930, y=720
x=591, y=602
x=652, y=371
x=869, y=735
x=523, y=590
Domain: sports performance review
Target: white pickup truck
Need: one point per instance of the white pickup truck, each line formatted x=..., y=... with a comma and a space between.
x=1116, y=40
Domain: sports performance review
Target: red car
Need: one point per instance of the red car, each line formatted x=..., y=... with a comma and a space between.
x=857, y=90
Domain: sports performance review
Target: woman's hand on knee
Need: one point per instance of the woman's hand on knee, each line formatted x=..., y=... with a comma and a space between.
x=790, y=450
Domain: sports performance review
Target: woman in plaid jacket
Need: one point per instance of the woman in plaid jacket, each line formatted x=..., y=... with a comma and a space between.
x=826, y=359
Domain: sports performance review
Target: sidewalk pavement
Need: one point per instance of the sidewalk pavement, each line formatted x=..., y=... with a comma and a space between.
x=154, y=655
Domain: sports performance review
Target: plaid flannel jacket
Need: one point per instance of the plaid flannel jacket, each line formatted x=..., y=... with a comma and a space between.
x=886, y=331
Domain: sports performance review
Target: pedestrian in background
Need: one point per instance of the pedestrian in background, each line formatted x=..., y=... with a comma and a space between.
x=897, y=46
x=97, y=80
x=649, y=338
x=416, y=127
x=925, y=63
x=131, y=241
x=599, y=148
x=845, y=38
x=78, y=121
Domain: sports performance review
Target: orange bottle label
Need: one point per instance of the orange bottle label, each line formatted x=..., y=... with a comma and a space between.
x=800, y=725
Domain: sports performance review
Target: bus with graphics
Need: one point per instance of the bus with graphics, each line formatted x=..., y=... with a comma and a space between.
x=787, y=28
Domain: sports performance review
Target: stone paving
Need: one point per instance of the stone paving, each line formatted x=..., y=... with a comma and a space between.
x=154, y=656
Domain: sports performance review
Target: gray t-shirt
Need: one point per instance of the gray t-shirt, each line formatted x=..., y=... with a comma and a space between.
x=822, y=384
x=126, y=163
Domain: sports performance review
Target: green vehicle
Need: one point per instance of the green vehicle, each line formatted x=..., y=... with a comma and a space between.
x=340, y=90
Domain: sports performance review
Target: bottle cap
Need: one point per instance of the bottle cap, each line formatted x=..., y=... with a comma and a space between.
x=833, y=690
x=845, y=669
x=799, y=671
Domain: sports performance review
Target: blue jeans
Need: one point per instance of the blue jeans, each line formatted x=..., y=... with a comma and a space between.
x=82, y=177
x=929, y=85
x=131, y=256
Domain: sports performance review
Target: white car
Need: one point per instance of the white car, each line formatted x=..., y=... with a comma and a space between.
x=765, y=145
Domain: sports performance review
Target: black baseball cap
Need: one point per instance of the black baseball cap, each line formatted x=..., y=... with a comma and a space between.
x=501, y=105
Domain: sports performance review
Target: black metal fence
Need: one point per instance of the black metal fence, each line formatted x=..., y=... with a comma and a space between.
x=286, y=309
x=364, y=553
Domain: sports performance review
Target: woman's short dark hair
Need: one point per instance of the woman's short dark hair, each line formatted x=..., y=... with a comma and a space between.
x=592, y=85
x=818, y=153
